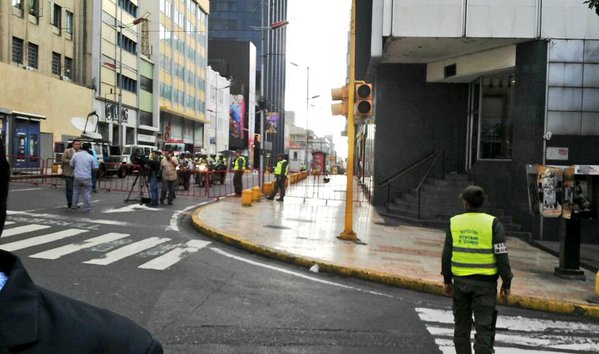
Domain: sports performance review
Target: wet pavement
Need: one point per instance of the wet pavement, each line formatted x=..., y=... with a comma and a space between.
x=303, y=230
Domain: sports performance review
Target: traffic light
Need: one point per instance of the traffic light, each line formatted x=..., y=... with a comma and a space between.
x=364, y=99
x=339, y=94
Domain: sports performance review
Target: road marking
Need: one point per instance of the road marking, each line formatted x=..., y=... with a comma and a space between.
x=24, y=190
x=40, y=240
x=532, y=335
x=175, y=255
x=23, y=229
x=299, y=275
x=72, y=248
x=69, y=218
x=128, y=250
x=129, y=208
x=173, y=224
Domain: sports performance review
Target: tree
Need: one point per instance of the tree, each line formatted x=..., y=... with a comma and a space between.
x=593, y=4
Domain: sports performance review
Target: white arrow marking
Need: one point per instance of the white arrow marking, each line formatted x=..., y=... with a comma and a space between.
x=128, y=250
x=175, y=255
x=129, y=208
x=68, y=249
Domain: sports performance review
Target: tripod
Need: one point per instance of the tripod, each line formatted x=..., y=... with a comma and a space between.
x=141, y=181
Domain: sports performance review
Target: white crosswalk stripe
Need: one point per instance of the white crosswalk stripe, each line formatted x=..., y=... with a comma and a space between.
x=23, y=229
x=128, y=250
x=72, y=248
x=518, y=334
x=40, y=240
x=161, y=253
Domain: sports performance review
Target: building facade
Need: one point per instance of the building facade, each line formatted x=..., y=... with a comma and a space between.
x=486, y=82
x=218, y=103
x=44, y=66
x=178, y=44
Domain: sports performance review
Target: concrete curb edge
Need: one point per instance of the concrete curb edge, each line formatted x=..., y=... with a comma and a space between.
x=436, y=288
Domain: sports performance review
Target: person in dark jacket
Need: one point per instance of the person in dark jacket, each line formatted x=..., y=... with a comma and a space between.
x=36, y=320
x=474, y=257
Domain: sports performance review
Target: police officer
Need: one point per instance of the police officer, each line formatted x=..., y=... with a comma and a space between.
x=238, y=168
x=281, y=171
x=474, y=256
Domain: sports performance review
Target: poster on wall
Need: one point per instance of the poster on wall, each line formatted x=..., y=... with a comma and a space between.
x=236, y=121
x=272, y=122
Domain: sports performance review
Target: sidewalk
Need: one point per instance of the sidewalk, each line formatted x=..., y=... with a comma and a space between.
x=304, y=231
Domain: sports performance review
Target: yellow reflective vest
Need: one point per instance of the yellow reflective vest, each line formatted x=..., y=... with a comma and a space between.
x=282, y=168
x=472, y=253
x=239, y=164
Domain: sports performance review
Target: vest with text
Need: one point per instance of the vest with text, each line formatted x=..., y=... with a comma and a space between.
x=472, y=253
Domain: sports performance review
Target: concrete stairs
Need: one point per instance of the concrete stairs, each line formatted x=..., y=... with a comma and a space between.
x=439, y=202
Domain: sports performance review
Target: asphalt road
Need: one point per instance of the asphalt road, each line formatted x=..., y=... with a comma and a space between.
x=198, y=296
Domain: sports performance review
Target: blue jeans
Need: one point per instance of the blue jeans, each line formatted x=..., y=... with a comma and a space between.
x=94, y=179
x=82, y=186
x=154, y=190
x=168, y=186
x=68, y=183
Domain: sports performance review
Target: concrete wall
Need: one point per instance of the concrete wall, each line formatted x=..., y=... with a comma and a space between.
x=413, y=119
x=58, y=100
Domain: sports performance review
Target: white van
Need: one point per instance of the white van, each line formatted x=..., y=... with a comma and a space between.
x=129, y=150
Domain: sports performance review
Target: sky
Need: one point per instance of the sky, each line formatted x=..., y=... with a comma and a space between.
x=317, y=36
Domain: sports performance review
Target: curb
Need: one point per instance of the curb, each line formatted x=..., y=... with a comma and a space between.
x=436, y=288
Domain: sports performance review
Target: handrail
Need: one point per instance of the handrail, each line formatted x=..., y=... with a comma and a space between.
x=388, y=180
x=419, y=162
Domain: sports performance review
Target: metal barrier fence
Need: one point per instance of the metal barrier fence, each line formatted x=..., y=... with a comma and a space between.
x=191, y=183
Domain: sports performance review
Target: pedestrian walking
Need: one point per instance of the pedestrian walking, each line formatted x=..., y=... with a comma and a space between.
x=474, y=256
x=281, y=172
x=84, y=165
x=169, y=178
x=67, y=170
x=238, y=168
x=92, y=151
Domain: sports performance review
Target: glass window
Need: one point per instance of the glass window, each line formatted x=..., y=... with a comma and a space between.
x=34, y=8
x=56, y=18
x=495, y=134
x=32, y=50
x=69, y=22
x=56, y=63
x=17, y=50
x=68, y=67
x=18, y=4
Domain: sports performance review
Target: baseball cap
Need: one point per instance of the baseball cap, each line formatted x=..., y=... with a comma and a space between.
x=474, y=195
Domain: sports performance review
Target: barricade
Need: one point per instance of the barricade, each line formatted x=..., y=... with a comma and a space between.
x=324, y=187
x=26, y=169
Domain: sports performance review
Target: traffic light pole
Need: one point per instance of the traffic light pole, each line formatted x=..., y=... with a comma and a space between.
x=348, y=233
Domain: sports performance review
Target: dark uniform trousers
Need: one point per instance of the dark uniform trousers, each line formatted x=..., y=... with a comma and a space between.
x=478, y=298
x=279, y=186
x=237, y=183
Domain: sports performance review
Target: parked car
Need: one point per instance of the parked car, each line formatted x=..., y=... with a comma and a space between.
x=109, y=157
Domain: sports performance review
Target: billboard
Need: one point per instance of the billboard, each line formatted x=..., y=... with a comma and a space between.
x=236, y=121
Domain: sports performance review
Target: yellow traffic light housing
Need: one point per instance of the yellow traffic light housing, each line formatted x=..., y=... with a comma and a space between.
x=364, y=99
x=339, y=94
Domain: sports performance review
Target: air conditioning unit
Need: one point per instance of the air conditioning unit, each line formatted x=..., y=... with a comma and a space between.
x=29, y=68
x=65, y=78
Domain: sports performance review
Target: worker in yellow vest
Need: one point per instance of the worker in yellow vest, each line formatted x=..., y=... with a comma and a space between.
x=281, y=172
x=474, y=257
x=238, y=168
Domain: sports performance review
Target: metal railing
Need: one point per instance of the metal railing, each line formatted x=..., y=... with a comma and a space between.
x=434, y=155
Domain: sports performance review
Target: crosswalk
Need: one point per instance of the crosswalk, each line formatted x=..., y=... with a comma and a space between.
x=110, y=247
x=517, y=334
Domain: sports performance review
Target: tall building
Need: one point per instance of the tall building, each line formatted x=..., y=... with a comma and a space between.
x=487, y=83
x=249, y=20
x=45, y=66
x=177, y=44
x=118, y=64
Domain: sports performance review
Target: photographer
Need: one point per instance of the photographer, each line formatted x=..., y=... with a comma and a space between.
x=150, y=169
